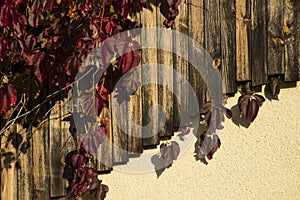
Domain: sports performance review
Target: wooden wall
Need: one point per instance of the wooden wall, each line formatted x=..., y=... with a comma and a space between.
x=249, y=40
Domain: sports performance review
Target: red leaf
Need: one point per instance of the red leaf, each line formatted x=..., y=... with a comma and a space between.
x=252, y=110
x=4, y=101
x=78, y=161
x=4, y=43
x=12, y=93
x=260, y=99
x=103, y=93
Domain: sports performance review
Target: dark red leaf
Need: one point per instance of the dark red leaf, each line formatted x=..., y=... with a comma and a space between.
x=103, y=92
x=252, y=110
x=206, y=107
x=169, y=152
x=4, y=101
x=35, y=19
x=207, y=145
x=12, y=93
x=4, y=44
x=99, y=104
x=260, y=99
x=128, y=60
x=228, y=113
x=78, y=161
x=243, y=102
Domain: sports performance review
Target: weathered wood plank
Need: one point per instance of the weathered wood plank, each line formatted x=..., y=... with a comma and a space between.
x=228, y=46
x=9, y=173
x=180, y=106
x=275, y=38
x=134, y=134
x=165, y=95
x=104, y=153
x=196, y=31
x=25, y=165
x=56, y=140
x=119, y=129
x=68, y=142
x=135, y=107
x=259, y=42
x=243, y=37
x=41, y=162
x=291, y=27
x=60, y=143
x=150, y=91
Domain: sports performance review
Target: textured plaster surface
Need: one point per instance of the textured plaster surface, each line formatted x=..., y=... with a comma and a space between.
x=259, y=162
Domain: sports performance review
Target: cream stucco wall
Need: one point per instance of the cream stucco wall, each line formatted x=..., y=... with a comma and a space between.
x=261, y=162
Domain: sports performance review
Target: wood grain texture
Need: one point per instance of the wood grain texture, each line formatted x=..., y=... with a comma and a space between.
x=291, y=26
x=180, y=104
x=243, y=37
x=259, y=42
x=275, y=38
x=135, y=107
x=56, y=141
x=9, y=173
x=40, y=152
x=25, y=163
x=104, y=153
x=196, y=32
x=119, y=129
x=150, y=91
x=60, y=143
x=165, y=95
x=134, y=134
x=228, y=46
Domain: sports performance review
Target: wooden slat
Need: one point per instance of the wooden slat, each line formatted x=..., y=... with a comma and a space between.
x=150, y=91
x=135, y=135
x=25, y=164
x=275, y=38
x=196, y=31
x=56, y=140
x=228, y=45
x=9, y=175
x=291, y=28
x=119, y=129
x=213, y=29
x=40, y=161
x=165, y=95
x=135, y=108
x=181, y=67
x=61, y=142
x=259, y=42
x=105, y=157
x=243, y=24
x=69, y=143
